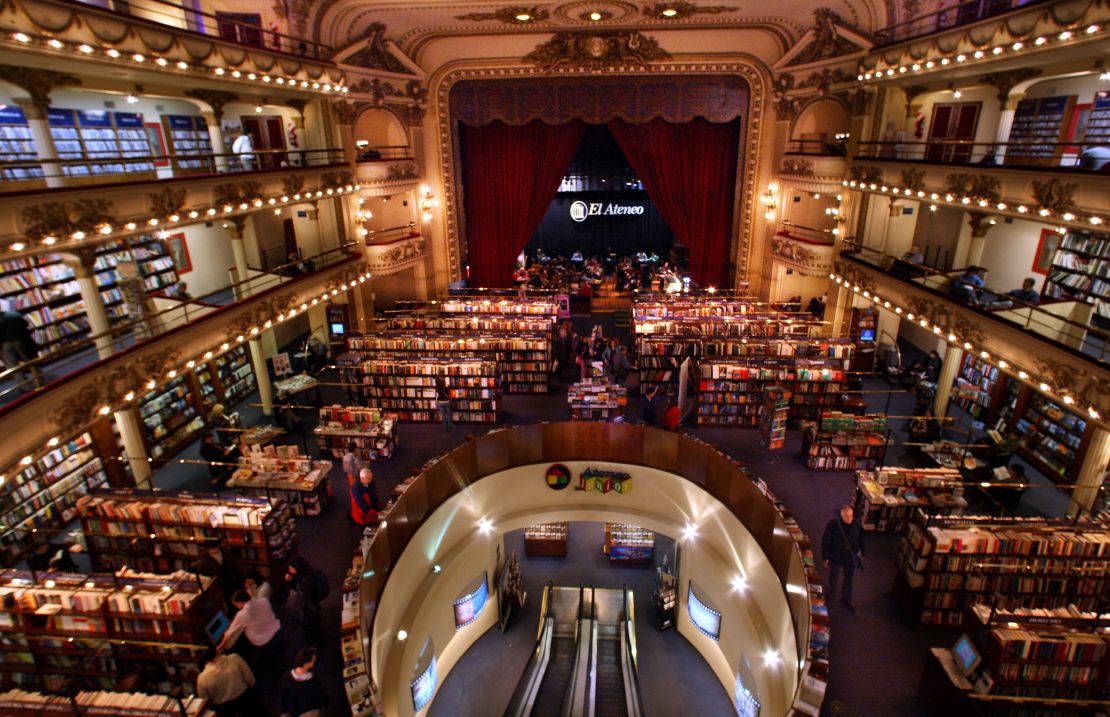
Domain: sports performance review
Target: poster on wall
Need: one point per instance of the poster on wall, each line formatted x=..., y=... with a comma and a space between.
x=469, y=607
x=1046, y=250
x=178, y=249
x=705, y=619
x=424, y=687
x=744, y=701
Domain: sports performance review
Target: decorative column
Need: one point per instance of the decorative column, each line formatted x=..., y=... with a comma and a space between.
x=82, y=262
x=258, y=357
x=38, y=84
x=948, y=370
x=131, y=435
x=1004, y=82
x=298, y=157
x=344, y=114
x=1092, y=471
x=980, y=225
x=216, y=99
x=44, y=142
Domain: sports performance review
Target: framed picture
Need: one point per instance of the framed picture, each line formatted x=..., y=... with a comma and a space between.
x=1077, y=128
x=157, y=143
x=1046, y=249
x=178, y=249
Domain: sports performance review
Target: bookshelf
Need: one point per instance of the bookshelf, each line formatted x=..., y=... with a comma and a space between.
x=886, y=498
x=17, y=145
x=65, y=630
x=976, y=386
x=523, y=359
x=117, y=139
x=1081, y=271
x=45, y=290
x=664, y=597
x=1047, y=654
x=361, y=693
x=170, y=416
x=547, y=539
x=1038, y=129
x=371, y=430
x=596, y=400
x=819, y=386
x=731, y=390
x=186, y=135
x=1053, y=438
x=440, y=321
x=844, y=442
x=281, y=473
x=236, y=375
x=406, y=387
x=772, y=417
x=500, y=306
x=628, y=544
x=41, y=491
x=947, y=564
x=1098, y=123
x=166, y=531
x=22, y=703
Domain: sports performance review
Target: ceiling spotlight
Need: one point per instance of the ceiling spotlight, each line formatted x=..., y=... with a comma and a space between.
x=595, y=16
x=402, y=635
x=957, y=94
x=437, y=569
x=485, y=525
x=258, y=109
x=132, y=99
x=523, y=17
x=669, y=12
x=690, y=532
x=771, y=657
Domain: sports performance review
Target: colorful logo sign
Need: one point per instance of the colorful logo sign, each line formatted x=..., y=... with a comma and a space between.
x=604, y=481
x=558, y=477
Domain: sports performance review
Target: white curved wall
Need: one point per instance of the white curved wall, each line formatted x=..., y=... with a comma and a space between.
x=420, y=603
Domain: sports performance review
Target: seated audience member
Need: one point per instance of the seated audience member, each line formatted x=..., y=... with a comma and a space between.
x=363, y=499
x=925, y=428
x=914, y=255
x=1026, y=293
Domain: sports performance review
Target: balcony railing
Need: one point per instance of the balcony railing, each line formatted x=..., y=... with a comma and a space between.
x=812, y=235
x=229, y=27
x=384, y=152
x=1091, y=157
x=818, y=147
x=946, y=18
x=143, y=168
x=38, y=374
x=1050, y=319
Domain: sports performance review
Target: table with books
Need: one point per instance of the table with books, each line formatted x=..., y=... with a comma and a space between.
x=596, y=400
x=949, y=454
x=281, y=471
x=298, y=383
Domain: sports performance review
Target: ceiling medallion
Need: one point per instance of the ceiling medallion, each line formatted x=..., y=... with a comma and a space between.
x=596, y=51
x=583, y=12
x=512, y=15
x=680, y=10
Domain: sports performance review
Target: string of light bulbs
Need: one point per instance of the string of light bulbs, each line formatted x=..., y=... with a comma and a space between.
x=84, y=49
x=106, y=230
x=1075, y=32
x=1003, y=365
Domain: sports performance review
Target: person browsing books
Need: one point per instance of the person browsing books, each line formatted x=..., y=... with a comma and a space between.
x=255, y=625
x=842, y=551
x=352, y=464
x=228, y=684
x=443, y=403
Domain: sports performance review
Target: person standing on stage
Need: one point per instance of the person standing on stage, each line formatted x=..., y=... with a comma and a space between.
x=842, y=551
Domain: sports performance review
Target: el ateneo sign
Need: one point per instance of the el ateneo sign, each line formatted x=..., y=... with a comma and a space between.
x=580, y=211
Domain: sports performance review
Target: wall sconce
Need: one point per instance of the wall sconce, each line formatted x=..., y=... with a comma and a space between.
x=427, y=201
x=769, y=201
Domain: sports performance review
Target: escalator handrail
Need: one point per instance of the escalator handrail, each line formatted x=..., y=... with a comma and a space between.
x=629, y=672
x=574, y=702
x=522, y=701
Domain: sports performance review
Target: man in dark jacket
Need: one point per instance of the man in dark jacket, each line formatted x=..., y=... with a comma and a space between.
x=17, y=344
x=302, y=694
x=842, y=550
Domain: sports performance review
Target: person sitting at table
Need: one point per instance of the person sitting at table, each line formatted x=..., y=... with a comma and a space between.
x=925, y=428
x=1026, y=293
x=967, y=285
x=914, y=255
x=1002, y=448
x=1009, y=496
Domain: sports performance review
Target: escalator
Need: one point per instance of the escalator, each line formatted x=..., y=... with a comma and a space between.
x=615, y=688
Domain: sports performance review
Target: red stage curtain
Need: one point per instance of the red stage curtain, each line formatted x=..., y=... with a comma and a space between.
x=510, y=174
x=689, y=172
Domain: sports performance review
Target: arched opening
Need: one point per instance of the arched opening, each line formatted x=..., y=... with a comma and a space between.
x=816, y=129
x=380, y=128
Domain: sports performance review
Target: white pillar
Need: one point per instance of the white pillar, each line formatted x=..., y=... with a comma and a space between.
x=216, y=136
x=44, y=142
x=239, y=252
x=262, y=377
x=131, y=435
x=99, y=326
x=1005, y=122
x=1092, y=472
x=839, y=302
x=948, y=370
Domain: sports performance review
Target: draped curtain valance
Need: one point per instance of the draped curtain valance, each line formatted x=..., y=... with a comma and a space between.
x=597, y=100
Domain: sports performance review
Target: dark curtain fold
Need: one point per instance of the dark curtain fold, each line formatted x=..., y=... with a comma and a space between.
x=689, y=172
x=510, y=175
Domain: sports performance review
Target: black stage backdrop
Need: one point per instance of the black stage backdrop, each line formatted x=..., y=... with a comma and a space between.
x=625, y=233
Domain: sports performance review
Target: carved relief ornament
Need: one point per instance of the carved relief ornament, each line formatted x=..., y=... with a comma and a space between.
x=595, y=51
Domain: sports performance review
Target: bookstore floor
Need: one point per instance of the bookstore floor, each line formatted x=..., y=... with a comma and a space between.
x=876, y=657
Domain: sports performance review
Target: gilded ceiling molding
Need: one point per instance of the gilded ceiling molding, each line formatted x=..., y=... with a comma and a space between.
x=296, y=12
x=797, y=254
x=826, y=40
x=38, y=84
x=797, y=167
x=216, y=99
x=1054, y=195
x=293, y=184
x=390, y=258
x=976, y=186
x=511, y=15
x=167, y=203
x=345, y=112
x=61, y=220
x=235, y=194
x=681, y=10
x=596, y=51
x=750, y=136
x=375, y=55
x=1004, y=81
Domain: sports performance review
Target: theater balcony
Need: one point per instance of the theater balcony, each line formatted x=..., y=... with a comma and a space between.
x=1054, y=346
x=974, y=37
x=158, y=42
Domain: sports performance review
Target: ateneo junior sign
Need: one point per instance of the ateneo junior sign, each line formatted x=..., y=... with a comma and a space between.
x=579, y=211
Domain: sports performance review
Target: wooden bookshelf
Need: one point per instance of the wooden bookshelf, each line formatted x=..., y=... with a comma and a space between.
x=440, y=321
x=64, y=630
x=1038, y=130
x=887, y=498
x=42, y=490
x=362, y=694
x=281, y=473
x=730, y=390
x=546, y=539
x=628, y=544
x=370, y=429
x=844, y=442
x=165, y=531
x=406, y=387
x=1081, y=271
x=948, y=564
x=171, y=417
x=523, y=360
x=1061, y=653
x=596, y=400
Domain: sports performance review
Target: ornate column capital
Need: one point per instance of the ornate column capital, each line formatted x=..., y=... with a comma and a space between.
x=37, y=83
x=216, y=99
x=1004, y=81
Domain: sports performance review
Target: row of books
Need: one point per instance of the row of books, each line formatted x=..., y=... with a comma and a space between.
x=131, y=704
